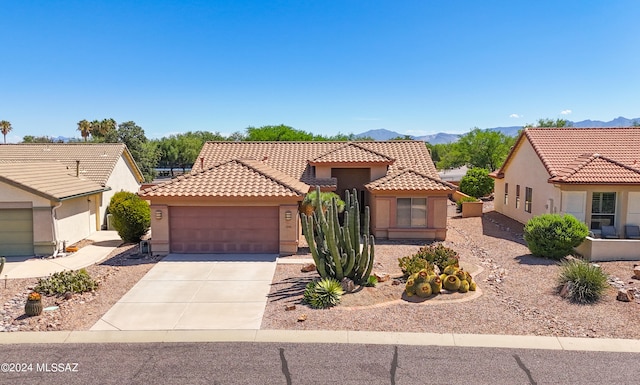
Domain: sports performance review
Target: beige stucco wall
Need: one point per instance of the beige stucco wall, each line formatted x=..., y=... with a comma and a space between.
x=122, y=179
x=601, y=250
x=9, y=193
x=383, y=212
x=526, y=169
x=74, y=220
x=289, y=230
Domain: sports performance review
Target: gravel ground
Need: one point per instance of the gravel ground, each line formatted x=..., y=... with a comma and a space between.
x=115, y=275
x=518, y=293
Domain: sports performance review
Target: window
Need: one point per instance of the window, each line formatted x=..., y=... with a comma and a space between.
x=603, y=209
x=506, y=194
x=412, y=212
x=517, y=196
x=528, y=194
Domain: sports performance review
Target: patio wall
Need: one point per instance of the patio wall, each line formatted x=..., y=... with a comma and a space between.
x=602, y=250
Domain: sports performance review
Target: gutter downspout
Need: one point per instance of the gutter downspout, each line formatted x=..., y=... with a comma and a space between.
x=55, y=228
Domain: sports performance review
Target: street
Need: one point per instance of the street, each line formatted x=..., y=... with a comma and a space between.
x=305, y=364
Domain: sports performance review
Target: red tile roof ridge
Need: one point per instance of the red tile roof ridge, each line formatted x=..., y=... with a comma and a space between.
x=275, y=175
x=584, y=160
x=390, y=177
x=357, y=145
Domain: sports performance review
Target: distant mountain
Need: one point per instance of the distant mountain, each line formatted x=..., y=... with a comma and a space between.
x=617, y=122
x=442, y=137
x=380, y=134
x=439, y=138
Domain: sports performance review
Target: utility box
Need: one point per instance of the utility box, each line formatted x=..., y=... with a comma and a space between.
x=110, y=222
x=145, y=247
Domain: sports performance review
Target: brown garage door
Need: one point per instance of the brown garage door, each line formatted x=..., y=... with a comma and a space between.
x=224, y=229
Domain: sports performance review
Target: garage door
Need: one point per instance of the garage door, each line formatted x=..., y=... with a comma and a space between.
x=224, y=229
x=16, y=232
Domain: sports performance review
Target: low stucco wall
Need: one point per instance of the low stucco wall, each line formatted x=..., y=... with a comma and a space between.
x=603, y=250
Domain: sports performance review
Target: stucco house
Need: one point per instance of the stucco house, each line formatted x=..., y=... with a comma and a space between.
x=591, y=173
x=54, y=193
x=243, y=197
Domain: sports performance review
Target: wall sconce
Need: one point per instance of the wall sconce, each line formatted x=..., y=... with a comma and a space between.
x=158, y=214
x=288, y=215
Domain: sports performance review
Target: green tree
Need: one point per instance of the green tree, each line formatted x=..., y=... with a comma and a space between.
x=102, y=128
x=279, y=133
x=39, y=139
x=5, y=128
x=477, y=183
x=84, y=126
x=438, y=151
x=145, y=153
x=478, y=149
x=181, y=151
x=546, y=122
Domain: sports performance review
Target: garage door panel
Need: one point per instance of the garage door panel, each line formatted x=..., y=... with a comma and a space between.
x=224, y=229
x=16, y=236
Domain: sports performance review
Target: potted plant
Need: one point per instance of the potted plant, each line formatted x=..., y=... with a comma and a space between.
x=33, y=306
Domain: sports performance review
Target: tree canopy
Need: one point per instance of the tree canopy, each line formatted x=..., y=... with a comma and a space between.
x=5, y=128
x=546, y=122
x=477, y=149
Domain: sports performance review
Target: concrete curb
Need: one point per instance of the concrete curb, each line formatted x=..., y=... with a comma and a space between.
x=326, y=336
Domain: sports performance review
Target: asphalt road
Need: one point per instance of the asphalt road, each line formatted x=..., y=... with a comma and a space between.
x=306, y=364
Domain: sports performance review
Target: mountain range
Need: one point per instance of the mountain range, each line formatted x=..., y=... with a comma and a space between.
x=443, y=137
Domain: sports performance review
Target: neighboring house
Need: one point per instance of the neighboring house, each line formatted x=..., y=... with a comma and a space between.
x=54, y=193
x=591, y=173
x=242, y=197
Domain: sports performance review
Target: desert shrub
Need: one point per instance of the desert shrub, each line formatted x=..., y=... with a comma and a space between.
x=553, y=235
x=428, y=256
x=476, y=182
x=66, y=281
x=372, y=281
x=131, y=216
x=586, y=282
x=322, y=294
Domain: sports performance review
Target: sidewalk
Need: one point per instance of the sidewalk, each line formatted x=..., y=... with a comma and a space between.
x=326, y=336
x=104, y=243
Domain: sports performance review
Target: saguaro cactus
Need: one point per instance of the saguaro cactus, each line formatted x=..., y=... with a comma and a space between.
x=340, y=251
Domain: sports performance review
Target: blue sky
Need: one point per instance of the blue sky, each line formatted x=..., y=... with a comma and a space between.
x=415, y=67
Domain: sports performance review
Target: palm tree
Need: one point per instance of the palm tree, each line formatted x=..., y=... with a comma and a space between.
x=5, y=128
x=85, y=128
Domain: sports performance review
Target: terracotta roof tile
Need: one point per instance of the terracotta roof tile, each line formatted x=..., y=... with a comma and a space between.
x=352, y=153
x=594, y=168
x=293, y=158
x=558, y=147
x=97, y=160
x=234, y=178
x=52, y=180
x=409, y=180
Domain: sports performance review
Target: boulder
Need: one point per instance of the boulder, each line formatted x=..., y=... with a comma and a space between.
x=625, y=295
x=347, y=285
x=308, y=268
x=636, y=271
x=382, y=277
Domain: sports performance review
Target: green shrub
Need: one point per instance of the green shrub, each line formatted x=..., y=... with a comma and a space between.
x=131, y=216
x=477, y=183
x=553, y=235
x=587, y=282
x=427, y=257
x=372, y=281
x=66, y=281
x=323, y=294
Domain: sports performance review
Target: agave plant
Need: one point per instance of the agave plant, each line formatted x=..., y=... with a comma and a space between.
x=323, y=294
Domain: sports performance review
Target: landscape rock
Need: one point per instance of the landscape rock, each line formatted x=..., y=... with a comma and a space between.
x=636, y=271
x=565, y=291
x=302, y=318
x=289, y=307
x=382, y=277
x=308, y=268
x=625, y=295
x=347, y=285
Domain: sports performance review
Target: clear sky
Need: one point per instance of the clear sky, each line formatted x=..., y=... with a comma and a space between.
x=415, y=67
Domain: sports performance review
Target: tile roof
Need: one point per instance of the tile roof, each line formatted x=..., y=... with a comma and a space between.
x=409, y=180
x=292, y=157
x=352, y=153
x=566, y=153
x=234, y=178
x=594, y=168
x=97, y=160
x=51, y=180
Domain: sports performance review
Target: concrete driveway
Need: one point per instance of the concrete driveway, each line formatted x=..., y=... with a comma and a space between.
x=196, y=292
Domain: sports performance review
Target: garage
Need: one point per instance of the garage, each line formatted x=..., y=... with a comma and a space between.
x=224, y=229
x=16, y=237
